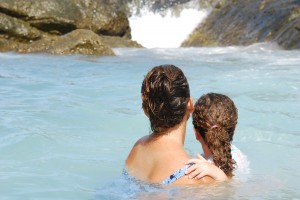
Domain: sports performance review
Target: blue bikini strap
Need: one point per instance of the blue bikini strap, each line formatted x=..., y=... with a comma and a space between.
x=176, y=175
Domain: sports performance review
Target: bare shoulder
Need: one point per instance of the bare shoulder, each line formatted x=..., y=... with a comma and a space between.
x=137, y=163
x=142, y=141
x=132, y=154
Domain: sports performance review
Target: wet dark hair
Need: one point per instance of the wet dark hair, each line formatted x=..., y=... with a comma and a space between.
x=215, y=117
x=165, y=94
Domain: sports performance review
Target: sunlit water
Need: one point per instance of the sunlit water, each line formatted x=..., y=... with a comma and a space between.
x=166, y=28
x=67, y=123
x=157, y=30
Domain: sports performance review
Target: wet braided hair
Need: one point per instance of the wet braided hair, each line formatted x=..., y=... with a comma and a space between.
x=165, y=94
x=215, y=117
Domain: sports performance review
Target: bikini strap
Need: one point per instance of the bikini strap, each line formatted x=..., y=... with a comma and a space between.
x=176, y=175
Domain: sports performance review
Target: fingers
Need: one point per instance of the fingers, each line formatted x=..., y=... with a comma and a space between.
x=201, y=175
x=199, y=168
x=190, y=169
x=202, y=167
x=197, y=172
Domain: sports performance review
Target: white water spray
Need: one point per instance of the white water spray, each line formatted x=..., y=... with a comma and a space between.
x=152, y=30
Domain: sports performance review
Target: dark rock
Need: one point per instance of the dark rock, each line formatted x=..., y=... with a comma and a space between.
x=250, y=21
x=41, y=13
x=117, y=25
x=11, y=27
x=117, y=42
x=80, y=41
x=63, y=16
x=56, y=26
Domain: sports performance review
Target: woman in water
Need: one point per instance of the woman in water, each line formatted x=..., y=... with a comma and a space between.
x=214, y=119
x=160, y=156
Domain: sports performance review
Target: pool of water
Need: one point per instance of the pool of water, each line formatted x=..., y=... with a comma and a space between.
x=67, y=123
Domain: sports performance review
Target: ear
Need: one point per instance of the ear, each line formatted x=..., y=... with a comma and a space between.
x=190, y=105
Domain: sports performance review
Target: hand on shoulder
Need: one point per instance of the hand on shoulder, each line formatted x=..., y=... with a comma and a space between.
x=201, y=168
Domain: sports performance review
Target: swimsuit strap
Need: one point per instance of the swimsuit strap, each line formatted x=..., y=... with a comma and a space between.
x=176, y=175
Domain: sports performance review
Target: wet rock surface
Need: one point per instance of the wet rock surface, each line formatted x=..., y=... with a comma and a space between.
x=244, y=22
x=80, y=25
x=35, y=25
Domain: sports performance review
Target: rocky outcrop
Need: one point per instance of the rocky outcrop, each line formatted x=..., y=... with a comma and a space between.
x=244, y=22
x=71, y=43
x=63, y=26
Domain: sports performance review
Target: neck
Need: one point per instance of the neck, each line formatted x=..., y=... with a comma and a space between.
x=179, y=132
x=176, y=134
x=207, y=153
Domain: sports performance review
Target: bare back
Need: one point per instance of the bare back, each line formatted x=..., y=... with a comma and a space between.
x=155, y=159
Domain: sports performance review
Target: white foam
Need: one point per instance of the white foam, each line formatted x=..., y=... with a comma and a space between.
x=153, y=30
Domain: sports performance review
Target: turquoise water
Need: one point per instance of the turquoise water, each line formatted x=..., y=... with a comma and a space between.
x=67, y=123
